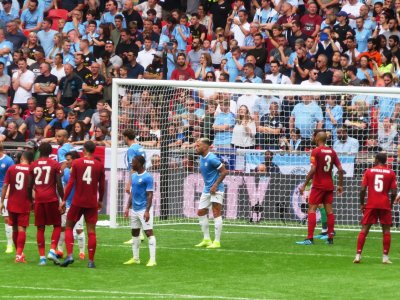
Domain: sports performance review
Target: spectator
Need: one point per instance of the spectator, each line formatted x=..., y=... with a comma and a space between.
x=362, y=35
x=372, y=53
x=239, y=28
x=69, y=88
x=145, y=57
x=32, y=122
x=209, y=118
x=259, y=51
x=265, y=14
x=135, y=70
x=125, y=45
x=223, y=126
x=388, y=136
x=270, y=128
x=99, y=42
x=22, y=82
x=68, y=57
x=324, y=74
x=244, y=131
x=386, y=66
x=344, y=143
x=11, y=134
x=312, y=79
x=115, y=60
x=49, y=112
x=14, y=34
x=325, y=44
x=219, y=12
x=58, y=123
x=364, y=72
x=337, y=78
x=281, y=53
x=181, y=33
x=351, y=72
x=56, y=49
x=195, y=54
x=93, y=86
x=333, y=115
x=101, y=136
x=155, y=69
x=197, y=30
x=234, y=63
x=31, y=104
x=109, y=17
x=131, y=15
x=297, y=33
x=357, y=122
x=32, y=17
x=81, y=70
x=302, y=66
x=79, y=134
x=45, y=84
x=288, y=15
x=146, y=5
x=8, y=13
x=250, y=59
x=5, y=83
x=88, y=56
x=276, y=77
x=311, y=22
x=182, y=71
x=268, y=166
x=295, y=143
x=14, y=115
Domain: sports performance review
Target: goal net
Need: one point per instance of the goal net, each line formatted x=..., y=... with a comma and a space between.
x=263, y=134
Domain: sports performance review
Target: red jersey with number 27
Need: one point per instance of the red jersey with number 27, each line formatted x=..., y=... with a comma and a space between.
x=324, y=158
x=17, y=177
x=44, y=172
x=88, y=176
x=379, y=180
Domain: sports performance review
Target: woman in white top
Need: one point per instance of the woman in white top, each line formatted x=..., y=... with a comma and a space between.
x=244, y=132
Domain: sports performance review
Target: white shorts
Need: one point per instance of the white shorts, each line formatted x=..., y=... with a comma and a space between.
x=137, y=220
x=207, y=199
x=5, y=211
x=78, y=225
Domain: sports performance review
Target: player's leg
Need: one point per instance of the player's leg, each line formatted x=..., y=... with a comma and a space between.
x=80, y=235
x=53, y=217
x=330, y=217
x=21, y=239
x=8, y=230
x=73, y=215
x=202, y=213
x=61, y=241
x=91, y=217
x=217, y=213
x=41, y=244
x=148, y=229
x=314, y=201
x=385, y=218
x=135, y=231
x=362, y=236
x=324, y=224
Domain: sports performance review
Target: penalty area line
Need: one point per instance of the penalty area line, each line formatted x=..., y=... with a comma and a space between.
x=126, y=294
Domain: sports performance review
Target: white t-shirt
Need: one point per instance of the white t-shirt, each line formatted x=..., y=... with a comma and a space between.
x=145, y=58
x=249, y=101
x=238, y=33
x=308, y=82
x=241, y=138
x=59, y=73
x=4, y=80
x=21, y=95
x=278, y=79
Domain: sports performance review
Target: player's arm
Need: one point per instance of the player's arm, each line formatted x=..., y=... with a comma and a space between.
x=60, y=189
x=363, y=192
x=3, y=196
x=128, y=206
x=222, y=174
x=149, y=195
x=68, y=188
x=309, y=176
x=340, y=175
x=393, y=194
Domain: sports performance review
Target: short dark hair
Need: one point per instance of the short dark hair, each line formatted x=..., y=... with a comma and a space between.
x=129, y=133
x=73, y=154
x=45, y=149
x=140, y=159
x=381, y=157
x=119, y=17
x=89, y=146
x=28, y=155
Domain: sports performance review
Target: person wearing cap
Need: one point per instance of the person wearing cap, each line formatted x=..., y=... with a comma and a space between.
x=342, y=27
x=115, y=60
x=352, y=8
x=8, y=13
x=94, y=85
x=32, y=17
x=125, y=45
x=155, y=69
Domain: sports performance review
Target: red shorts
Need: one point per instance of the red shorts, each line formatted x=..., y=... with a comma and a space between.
x=47, y=214
x=372, y=215
x=75, y=213
x=18, y=219
x=318, y=196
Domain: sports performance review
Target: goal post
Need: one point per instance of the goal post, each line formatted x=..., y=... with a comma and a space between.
x=166, y=124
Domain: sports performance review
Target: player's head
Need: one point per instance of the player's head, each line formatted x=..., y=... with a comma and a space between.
x=70, y=156
x=61, y=136
x=89, y=147
x=380, y=158
x=129, y=135
x=314, y=137
x=45, y=149
x=138, y=163
x=320, y=138
x=202, y=146
x=27, y=157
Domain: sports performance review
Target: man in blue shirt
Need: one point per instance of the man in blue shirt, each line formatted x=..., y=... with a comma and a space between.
x=344, y=143
x=213, y=172
x=6, y=47
x=306, y=116
x=32, y=17
x=5, y=163
x=8, y=13
x=223, y=126
x=141, y=202
x=65, y=147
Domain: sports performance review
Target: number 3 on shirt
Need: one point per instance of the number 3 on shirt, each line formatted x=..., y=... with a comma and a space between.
x=328, y=160
x=87, y=175
x=378, y=184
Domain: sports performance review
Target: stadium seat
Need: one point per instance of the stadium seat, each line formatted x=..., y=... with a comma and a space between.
x=56, y=14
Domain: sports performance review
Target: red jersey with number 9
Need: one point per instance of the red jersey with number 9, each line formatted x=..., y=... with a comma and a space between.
x=44, y=172
x=88, y=176
x=379, y=180
x=324, y=158
x=17, y=177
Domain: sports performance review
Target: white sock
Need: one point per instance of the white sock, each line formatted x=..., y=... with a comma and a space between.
x=9, y=235
x=152, y=248
x=203, y=220
x=218, y=228
x=135, y=247
x=60, y=245
x=81, y=242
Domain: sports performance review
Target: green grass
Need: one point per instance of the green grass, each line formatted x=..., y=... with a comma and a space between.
x=253, y=263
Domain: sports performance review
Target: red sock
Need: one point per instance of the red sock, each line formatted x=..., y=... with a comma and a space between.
x=69, y=240
x=40, y=240
x=361, y=241
x=386, y=243
x=91, y=245
x=312, y=222
x=15, y=238
x=21, y=242
x=331, y=224
x=55, y=236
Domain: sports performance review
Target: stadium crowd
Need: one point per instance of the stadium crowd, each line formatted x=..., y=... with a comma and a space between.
x=58, y=58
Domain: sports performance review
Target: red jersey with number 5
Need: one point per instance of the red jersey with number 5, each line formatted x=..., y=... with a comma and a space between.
x=17, y=177
x=324, y=158
x=88, y=176
x=44, y=172
x=379, y=180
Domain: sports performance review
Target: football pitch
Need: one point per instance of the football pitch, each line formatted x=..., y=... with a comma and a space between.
x=253, y=263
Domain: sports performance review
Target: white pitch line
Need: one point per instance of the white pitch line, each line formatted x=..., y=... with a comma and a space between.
x=143, y=294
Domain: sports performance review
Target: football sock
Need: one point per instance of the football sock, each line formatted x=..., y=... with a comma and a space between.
x=135, y=247
x=331, y=225
x=203, y=220
x=9, y=232
x=91, y=245
x=323, y=220
x=15, y=238
x=312, y=222
x=69, y=241
x=61, y=242
x=218, y=228
x=361, y=241
x=152, y=248
x=40, y=240
x=21, y=242
x=81, y=242
x=55, y=236
x=386, y=243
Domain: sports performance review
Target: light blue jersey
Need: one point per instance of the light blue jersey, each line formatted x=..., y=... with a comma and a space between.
x=141, y=184
x=65, y=178
x=64, y=149
x=209, y=168
x=5, y=163
x=134, y=150
x=306, y=117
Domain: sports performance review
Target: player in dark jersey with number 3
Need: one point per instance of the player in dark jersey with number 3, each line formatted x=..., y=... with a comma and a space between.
x=322, y=159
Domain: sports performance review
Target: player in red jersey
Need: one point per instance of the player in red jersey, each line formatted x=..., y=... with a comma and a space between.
x=87, y=174
x=379, y=181
x=322, y=160
x=45, y=180
x=18, y=205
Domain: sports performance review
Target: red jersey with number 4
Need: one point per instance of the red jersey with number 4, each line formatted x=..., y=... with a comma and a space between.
x=44, y=172
x=324, y=158
x=379, y=180
x=17, y=177
x=88, y=176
